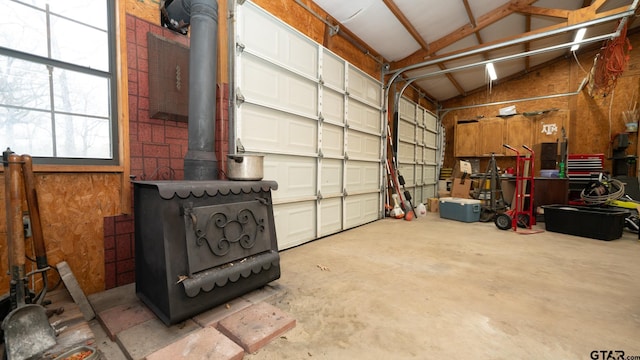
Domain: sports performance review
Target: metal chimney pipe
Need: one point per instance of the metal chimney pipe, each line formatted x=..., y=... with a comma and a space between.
x=200, y=162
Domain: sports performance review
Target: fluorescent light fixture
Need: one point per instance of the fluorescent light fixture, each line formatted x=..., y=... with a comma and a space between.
x=492, y=72
x=579, y=37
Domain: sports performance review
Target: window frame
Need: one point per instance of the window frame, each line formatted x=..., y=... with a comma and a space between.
x=110, y=76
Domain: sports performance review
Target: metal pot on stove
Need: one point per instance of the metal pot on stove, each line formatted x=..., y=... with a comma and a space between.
x=245, y=167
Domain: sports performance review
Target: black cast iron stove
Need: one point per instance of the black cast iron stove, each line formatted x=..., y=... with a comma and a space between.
x=200, y=243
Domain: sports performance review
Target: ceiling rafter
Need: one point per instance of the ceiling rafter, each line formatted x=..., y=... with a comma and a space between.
x=535, y=10
x=460, y=33
x=416, y=35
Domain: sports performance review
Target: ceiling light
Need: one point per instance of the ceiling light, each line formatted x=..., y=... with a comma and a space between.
x=579, y=37
x=492, y=72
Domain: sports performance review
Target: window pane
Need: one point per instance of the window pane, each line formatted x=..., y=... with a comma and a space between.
x=80, y=93
x=24, y=84
x=83, y=137
x=90, y=12
x=26, y=132
x=23, y=28
x=79, y=44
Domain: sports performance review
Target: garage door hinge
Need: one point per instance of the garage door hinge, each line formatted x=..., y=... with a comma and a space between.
x=347, y=93
x=239, y=97
x=320, y=80
x=346, y=156
x=319, y=195
x=344, y=192
x=320, y=117
x=239, y=147
x=240, y=47
x=320, y=154
x=241, y=2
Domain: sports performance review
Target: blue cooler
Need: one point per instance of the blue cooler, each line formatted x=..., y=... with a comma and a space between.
x=467, y=210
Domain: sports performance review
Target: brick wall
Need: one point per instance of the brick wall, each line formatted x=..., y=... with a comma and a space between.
x=157, y=147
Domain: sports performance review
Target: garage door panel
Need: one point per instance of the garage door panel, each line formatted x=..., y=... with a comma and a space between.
x=429, y=191
x=333, y=106
x=295, y=223
x=331, y=216
x=363, y=146
x=331, y=179
x=364, y=87
x=429, y=155
x=363, y=117
x=407, y=109
x=273, y=86
x=362, y=176
x=430, y=139
x=332, y=140
x=296, y=176
x=406, y=152
x=429, y=174
x=333, y=70
x=361, y=209
x=406, y=131
x=265, y=130
x=407, y=172
x=265, y=35
x=431, y=122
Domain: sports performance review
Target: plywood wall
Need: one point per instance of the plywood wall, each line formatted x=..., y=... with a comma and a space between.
x=593, y=119
x=72, y=208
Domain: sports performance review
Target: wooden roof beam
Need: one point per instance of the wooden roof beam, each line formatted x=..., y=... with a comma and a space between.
x=462, y=32
x=535, y=10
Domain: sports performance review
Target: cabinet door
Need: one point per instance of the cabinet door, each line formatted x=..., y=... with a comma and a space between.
x=519, y=132
x=466, y=139
x=548, y=127
x=491, y=137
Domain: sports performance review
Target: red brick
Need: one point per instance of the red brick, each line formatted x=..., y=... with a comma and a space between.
x=131, y=57
x=107, y=223
x=255, y=326
x=178, y=133
x=132, y=75
x=125, y=266
x=135, y=149
x=109, y=256
x=125, y=278
x=123, y=247
x=131, y=37
x=123, y=317
x=157, y=134
x=110, y=275
x=143, y=63
x=150, y=166
x=143, y=102
x=142, y=52
x=109, y=242
x=142, y=27
x=158, y=151
x=144, y=133
x=207, y=343
x=124, y=227
x=143, y=84
x=177, y=163
x=175, y=151
x=156, y=30
x=136, y=164
x=131, y=21
x=133, y=88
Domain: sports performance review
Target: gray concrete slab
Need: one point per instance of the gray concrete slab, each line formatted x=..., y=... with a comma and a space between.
x=150, y=336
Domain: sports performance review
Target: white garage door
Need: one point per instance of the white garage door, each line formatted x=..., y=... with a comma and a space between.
x=317, y=119
x=418, y=131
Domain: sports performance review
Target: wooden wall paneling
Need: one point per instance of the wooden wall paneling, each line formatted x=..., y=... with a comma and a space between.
x=492, y=132
x=148, y=10
x=466, y=138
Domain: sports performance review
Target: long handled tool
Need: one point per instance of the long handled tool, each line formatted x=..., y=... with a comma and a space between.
x=27, y=331
x=36, y=225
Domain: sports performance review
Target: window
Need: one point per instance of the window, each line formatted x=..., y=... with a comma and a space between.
x=57, y=80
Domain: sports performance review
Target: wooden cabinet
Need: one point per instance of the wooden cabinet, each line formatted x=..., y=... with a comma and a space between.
x=491, y=137
x=486, y=136
x=519, y=132
x=466, y=139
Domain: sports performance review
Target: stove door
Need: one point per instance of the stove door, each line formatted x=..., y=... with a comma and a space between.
x=219, y=234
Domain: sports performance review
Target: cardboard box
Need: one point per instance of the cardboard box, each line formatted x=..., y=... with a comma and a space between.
x=432, y=204
x=460, y=188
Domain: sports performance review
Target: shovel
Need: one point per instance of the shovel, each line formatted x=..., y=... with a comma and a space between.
x=27, y=331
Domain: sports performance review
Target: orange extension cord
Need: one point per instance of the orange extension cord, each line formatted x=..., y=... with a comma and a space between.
x=611, y=62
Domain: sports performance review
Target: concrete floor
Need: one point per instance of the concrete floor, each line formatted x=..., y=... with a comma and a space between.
x=435, y=289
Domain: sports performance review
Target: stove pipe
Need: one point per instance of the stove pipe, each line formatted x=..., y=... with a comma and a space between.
x=200, y=162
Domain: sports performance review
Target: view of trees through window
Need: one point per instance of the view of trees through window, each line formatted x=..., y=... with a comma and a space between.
x=56, y=80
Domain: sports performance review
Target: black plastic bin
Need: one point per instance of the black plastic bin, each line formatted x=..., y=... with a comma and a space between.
x=592, y=222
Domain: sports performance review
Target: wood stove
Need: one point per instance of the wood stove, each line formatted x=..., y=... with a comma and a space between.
x=199, y=244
